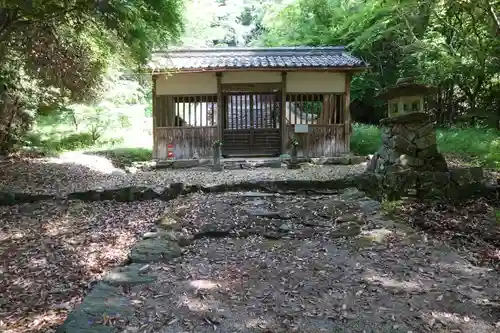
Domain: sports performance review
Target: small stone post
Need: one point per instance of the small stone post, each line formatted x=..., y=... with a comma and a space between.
x=294, y=161
x=217, y=151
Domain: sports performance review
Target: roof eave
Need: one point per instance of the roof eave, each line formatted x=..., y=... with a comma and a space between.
x=262, y=69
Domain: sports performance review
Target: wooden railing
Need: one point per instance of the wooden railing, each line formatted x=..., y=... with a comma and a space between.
x=314, y=109
x=322, y=140
x=188, y=142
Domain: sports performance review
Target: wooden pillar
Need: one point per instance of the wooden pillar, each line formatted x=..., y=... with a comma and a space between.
x=154, y=115
x=347, y=112
x=283, y=127
x=220, y=106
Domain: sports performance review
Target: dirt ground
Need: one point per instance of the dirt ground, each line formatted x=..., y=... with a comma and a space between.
x=323, y=263
x=51, y=251
x=80, y=172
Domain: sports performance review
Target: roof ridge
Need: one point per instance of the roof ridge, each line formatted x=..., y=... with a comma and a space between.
x=218, y=50
x=246, y=58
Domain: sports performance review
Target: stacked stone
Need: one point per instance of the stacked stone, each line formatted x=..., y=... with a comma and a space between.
x=408, y=143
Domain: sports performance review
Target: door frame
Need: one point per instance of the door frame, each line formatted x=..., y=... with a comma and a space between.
x=268, y=134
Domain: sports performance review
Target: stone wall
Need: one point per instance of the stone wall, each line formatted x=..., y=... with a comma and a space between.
x=408, y=164
x=408, y=143
x=454, y=184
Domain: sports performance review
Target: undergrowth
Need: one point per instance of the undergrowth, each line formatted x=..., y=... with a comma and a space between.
x=126, y=137
x=477, y=146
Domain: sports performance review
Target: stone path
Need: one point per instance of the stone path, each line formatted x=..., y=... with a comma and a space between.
x=261, y=262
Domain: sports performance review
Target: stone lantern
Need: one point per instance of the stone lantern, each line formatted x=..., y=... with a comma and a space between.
x=405, y=97
x=408, y=133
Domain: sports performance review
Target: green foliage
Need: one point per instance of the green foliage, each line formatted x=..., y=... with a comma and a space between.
x=451, y=44
x=224, y=23
x=365, y=139
x=83, y=127
x=54, y=53
x=479, y=146
x=125, y=157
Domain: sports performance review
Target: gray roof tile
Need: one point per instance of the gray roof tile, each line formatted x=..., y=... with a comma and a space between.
x=241, y=58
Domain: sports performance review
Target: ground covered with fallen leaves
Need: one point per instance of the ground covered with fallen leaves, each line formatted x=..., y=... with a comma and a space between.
x=322, y=262
x=51, y=251
x=79, y=172
x=318, y=263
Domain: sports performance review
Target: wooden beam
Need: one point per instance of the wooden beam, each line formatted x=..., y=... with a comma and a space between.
x=283, y=114
x=347, y=112
x=154, y=115
x=169, y=111
x=220, y=107
x=251, y=87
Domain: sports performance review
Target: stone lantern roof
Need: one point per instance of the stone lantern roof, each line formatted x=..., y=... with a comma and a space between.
x=405, y=87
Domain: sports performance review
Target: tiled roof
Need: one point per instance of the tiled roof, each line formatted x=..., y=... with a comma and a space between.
x=241, y=58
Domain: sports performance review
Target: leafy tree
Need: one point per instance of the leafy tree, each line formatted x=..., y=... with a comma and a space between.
x=451, y=44
x=53, y=52
x=223, y=23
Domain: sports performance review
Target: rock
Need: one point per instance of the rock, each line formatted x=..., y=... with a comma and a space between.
x=345, y=160
x=464, y=176
x=358, y=159
x=205, y=161
x=154, y=250
x=175, y=236
x=218, y=168
x=369, y=207
x=349, y=229
x=104, y=299
x=169, y=222
x=132, y=274
x=352, y=194
x=214, y=230
x=265, y=213
x=346, y=218
x=163, y=165
x=131, y=169
x=184, y=164
x=257, y=195
x=286, y=227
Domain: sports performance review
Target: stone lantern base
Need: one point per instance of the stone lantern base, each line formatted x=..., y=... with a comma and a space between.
x=408, y=143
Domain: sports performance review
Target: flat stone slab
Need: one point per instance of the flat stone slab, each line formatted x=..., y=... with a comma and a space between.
x=103, y=300
x=154, y=250
x=257, y=195
x=183, y=164
x=266, y=213
x=132, y=274
x=176, y=236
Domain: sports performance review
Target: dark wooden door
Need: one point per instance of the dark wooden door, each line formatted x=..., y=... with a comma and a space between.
x=251, y=124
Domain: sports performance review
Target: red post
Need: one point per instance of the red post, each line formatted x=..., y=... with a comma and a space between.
x=170, y=151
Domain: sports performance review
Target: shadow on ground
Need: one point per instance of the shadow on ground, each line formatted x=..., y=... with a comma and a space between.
x=124, y=157
x=52, y=250
x=308, y=278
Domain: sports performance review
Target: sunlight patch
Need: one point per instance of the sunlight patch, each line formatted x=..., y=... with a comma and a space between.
x=192, y=304
x=392, y=283
x=376, y=235
x=204, y=284
x=93, y=162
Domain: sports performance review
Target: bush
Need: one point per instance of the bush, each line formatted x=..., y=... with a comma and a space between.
x=123, y=157
x=479, y=146
x=365, y=139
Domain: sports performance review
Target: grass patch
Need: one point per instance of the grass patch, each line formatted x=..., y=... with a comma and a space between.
x=477, y=146
x=124, y=157
x=365, y=139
